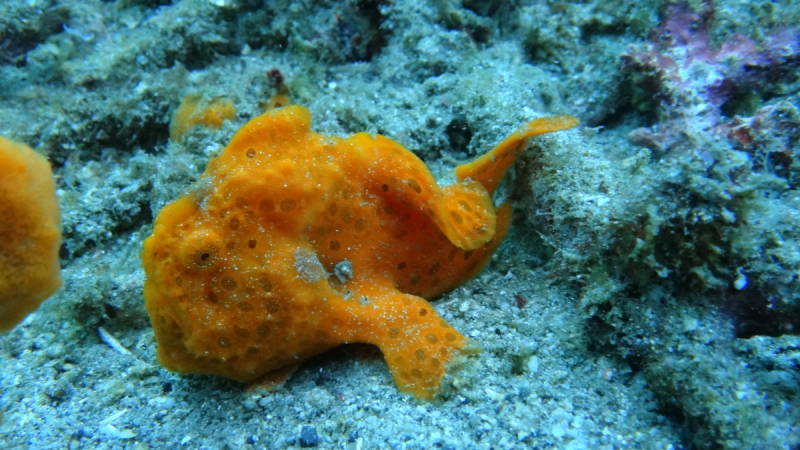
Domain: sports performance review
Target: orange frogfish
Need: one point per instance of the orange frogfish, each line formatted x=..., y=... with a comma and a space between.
x=293, y=243
x=30, y=226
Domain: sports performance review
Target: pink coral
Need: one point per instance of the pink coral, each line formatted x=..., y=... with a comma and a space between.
x=695, y=86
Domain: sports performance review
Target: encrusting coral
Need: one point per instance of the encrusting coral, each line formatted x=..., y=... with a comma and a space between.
x=30, y=230
x=293, y=243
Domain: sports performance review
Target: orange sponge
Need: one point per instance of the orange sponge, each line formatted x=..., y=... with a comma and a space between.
x=293, y=243
x=193, y=112
x=30, y=230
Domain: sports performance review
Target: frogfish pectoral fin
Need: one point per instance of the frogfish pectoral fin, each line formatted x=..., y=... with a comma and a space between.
x=490, y=168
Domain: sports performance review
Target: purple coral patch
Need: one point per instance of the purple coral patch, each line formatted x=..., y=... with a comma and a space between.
x=697, y=87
